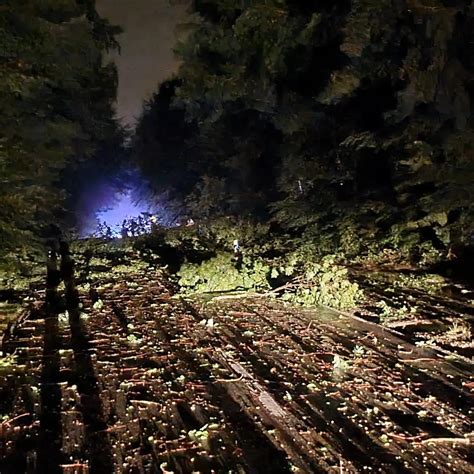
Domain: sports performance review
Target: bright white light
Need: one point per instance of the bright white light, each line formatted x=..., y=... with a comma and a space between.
x=124, y=209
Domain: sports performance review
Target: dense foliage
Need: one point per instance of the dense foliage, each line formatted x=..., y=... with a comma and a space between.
x=56, y=121
x=352, y=120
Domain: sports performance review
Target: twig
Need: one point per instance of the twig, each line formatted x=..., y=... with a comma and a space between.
x=238, y=296
x=9, y=422
x=177, y=451
x=407, y=438
x=318, y=353
x=230, y=380
x=111, y=429
x=466, y=441
x=240, y=313
x=147, y=403
x=66, y=466
x=290, y=284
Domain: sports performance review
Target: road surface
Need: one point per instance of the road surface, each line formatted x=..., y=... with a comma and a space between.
x=138, y=380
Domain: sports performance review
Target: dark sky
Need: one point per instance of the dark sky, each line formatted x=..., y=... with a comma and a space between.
x=147, y=57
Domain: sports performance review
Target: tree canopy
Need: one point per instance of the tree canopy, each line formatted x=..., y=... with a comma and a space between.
x=56, y=98
x=347, y=114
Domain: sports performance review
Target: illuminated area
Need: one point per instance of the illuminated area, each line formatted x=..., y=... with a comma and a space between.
x=124, y=209
x=110, y=207
x=124, y=215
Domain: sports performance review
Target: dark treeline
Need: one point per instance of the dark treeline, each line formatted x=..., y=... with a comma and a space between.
x=350, y=118
x=56, y=113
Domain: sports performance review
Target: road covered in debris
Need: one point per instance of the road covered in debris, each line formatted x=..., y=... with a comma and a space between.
x=141, y=380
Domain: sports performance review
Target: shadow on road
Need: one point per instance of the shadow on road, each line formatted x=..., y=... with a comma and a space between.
x=97, y=441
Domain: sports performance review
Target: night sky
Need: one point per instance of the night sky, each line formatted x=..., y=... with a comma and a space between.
x=147, y=57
